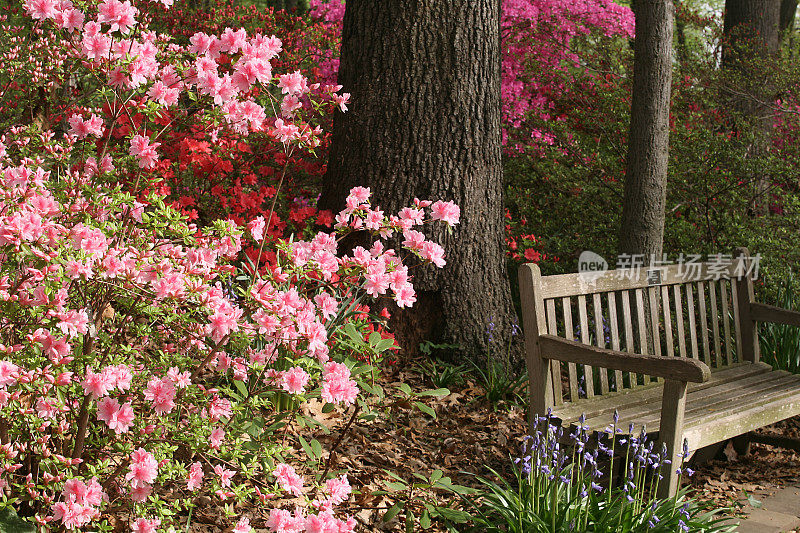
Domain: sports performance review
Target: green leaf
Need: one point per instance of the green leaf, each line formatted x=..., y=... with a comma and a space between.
x=355, y=336
x=240, y=387
x=393, y=510
x=396, y=476
x=396, y=486
x=436, y=475
x=436, y=392
x=409, y=521
x=405, y=388
x=374, y=338
x=11, y=523
x=307, y=448
x=454, y=515
x=317, y=447
x=425, y=409
x=425, y=520
x=384, y=344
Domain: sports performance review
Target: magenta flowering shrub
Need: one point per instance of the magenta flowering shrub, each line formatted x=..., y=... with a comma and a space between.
x=539, y=53
x=144, y=362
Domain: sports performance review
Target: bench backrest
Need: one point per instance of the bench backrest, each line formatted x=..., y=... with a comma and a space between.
x=677, y=310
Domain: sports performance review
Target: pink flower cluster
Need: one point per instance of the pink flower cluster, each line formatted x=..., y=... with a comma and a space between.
x=80, y=503
x=337, y=387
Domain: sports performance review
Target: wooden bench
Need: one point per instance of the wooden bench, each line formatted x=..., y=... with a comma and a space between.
x=674, y=350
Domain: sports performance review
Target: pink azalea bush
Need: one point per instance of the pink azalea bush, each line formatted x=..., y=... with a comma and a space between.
x=142, y=363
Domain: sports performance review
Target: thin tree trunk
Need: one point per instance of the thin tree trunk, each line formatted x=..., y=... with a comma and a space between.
x=788, y=12
x=425, y=122
x=642, y=230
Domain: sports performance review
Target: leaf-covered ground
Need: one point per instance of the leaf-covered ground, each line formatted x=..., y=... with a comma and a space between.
x=467, y=438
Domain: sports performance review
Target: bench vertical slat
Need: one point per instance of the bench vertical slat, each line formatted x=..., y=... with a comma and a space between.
x=588, y=378
x=701, y=302
x=555, y=366
x=736, y=323
x=533, y=320
x=726, y=323
x=665, y=309
x=712, y=294
x=692, y=320
x=676, y=289
x=600, y=338
x=615, y=344
x=744, y=284
x=569, y=333
x=644, y=348
x=627, y=319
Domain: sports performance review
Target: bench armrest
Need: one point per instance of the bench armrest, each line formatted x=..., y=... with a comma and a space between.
x=770, y=313
x=674, y=368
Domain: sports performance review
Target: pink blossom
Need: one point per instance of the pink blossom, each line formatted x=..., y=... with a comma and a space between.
x=97, y=384
x=294, y=380
x=120, y=15
x=145, y=525
x=143, y=468
x=9, y=372
x=83, y=128
x=117, y=417
x=144, y=151
x=180, y=379
x=161, y=392
x=447, y=212
x=434, y=253
x=41, y=9
x=195, y=476
x=73, y=322
x=242, y=526
x=224, y=474
x=338, y=489
x=288, y=479
x=339, y=389
x=405, y=296
x=294, y=83
x=256, y=228
x=216, y=437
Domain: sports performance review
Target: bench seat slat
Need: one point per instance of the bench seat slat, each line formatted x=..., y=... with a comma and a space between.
x=630, y=397
x=715, y=410
x=648, y=413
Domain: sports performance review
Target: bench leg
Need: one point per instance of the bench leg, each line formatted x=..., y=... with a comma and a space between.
x=673, y=407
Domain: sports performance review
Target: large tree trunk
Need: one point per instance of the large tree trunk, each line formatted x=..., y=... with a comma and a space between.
x=642, y=230
x=425, y=122
x=752, y=38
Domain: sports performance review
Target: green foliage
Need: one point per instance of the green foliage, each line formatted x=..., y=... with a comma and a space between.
x=556, y=487
x=568, y=190
x=500, y=386
x=11, y=523
x=440, y=373
x=413, y=498
x=780, y=344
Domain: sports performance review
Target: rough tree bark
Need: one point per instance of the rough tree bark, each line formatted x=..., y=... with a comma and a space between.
x=642, y=230
x=424, y=121
x=752, y=37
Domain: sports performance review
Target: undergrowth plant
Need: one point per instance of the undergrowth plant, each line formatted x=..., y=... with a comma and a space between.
x=559, y=484
x=780, y=343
